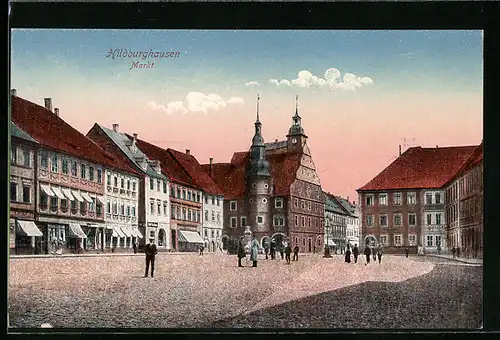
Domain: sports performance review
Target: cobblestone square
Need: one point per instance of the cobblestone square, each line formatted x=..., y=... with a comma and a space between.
x=211, y=291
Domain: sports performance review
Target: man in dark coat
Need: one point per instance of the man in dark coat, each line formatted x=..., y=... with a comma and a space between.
x=288, y=250
x=134, y=245
x=355, y=252
x=151, y=251
x=241, y=251
x=379, y=253
x=282, y=251
x=458, y=251
x=367, y=254
x=266, y=250
x=407, y=251
x=296, y=253
x=273, y=249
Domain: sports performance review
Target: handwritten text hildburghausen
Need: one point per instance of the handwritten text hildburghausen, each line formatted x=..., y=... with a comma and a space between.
x=126, y=53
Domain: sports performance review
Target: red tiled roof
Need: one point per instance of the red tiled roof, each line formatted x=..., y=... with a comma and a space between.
x=421, y=167
x=169, y=165
x=474, y=159
x=196, y=172
x=231, y=176
x=54, y=133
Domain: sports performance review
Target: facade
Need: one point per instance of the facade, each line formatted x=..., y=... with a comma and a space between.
x=398, y=206
x=69, y=176
x=24, y=235
x=274, y=190
x=352, y=220
x=464, y=207
x=149, y=194
x=335, y=223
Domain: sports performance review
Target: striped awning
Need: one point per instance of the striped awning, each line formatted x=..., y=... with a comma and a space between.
x=77, y=195
x=68, y=194
x=101, y=199
x=29, y=228
x=137, y=232
x=190, y=237
x=86, y=197
x=46, y=188
x=58, y=193
x=126, y=231
x=117, y=232
x=77, y=231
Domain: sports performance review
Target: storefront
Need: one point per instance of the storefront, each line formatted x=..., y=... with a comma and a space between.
x=76, y=238
x=94, y=233
x=28, y=238
x=189, y=241
x=55, y=240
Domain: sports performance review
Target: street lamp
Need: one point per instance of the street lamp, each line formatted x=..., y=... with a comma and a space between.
x=327, y=245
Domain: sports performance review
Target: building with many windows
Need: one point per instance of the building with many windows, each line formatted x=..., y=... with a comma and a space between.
x=144, y=198
x=335, y=223
x=403, y=206
x=274, y=190
x=69, y=194
x=352, y=220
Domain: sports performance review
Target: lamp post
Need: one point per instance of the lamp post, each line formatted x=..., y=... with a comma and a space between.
x=327, y=245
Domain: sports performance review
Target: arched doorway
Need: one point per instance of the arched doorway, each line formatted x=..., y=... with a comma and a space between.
x=162, y=242
x=370, y=240
x=279, y=239
x=265, y=240
x=225, y=242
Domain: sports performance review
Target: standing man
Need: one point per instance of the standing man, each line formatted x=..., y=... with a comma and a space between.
x=282, y=251
x=458, y=251
x=407, y=251
x=134, y=245
x=379, y=253
x=355, y=252
x=241, y=251
x=288, y=250
x=255, y=251
x=273, y=249
x=367, y=254
x=296, y=253
x=266, y=249
x=453, y=251
x=201, y=249
x=151, y=251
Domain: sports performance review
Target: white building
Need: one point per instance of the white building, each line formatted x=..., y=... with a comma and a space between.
x=212, y=221
x=433, y=217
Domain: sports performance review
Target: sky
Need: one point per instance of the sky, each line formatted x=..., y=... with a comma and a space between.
x=361, y=94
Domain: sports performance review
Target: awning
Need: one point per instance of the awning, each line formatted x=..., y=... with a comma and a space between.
x=117, y=232
x=137, y=232
x=101, y=199
x=126, y=231
x=190, y=237
x=87, y=197
x=68, y=194
x=77, y=195
x=47, y=190
x=77, y=230
x=29, y=228
x=58, y=193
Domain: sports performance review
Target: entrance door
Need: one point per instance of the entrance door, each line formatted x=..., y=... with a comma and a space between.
x=161, y=238
x=310, y=245
x=174, y=239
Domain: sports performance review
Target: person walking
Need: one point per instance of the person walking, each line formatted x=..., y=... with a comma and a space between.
x=255, y=251
x=379, y=253
x=407, y=251
x=282, y=251
x=266, y=249
x=367, y=254
x=201, y=249
x=296, y=253
x=241, y=251
x=273, y=249
x=151, y=251
x=288, y=251
x=134, y=245
x=453, y=251
x=348, y=255
x=355, y=252
x=374, y=253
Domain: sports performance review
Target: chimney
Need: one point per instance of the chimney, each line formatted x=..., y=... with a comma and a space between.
x=56, y=112
x=400, y=149
x=437, y=146
x=276, y=140
x=116, y=127
x=347, y=198
x=48, y=103
x=13, y=92
x=188, y=152
x=210, y=167
x=135, y=136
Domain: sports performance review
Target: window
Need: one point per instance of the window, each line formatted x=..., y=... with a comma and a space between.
x=178, y=193
x=234, y=222
x=213, y=216
x=152, y=233
x=303, y=221
x=158, y=207
x=397, y=220
x=189, y=214
x=213, y=233
x=128, y=210
x=412, y=198
x=383, y=220
x=13, y=192
x=91, y=205
x=108, y=207
x=218, y=218
x=429, y=240
x=382, y=199
x=189, y=195
x=13, y=155
x=206, y=199
x=428, y=198
x=115, y=208
x=151, y=184
x=173, y=212
x=83, y=171
x=412, y=220
x=397, y=240
x=383, y=239
x=184, y=194
x=108, y=179
x=310, y=205
x=122, y=209
x=64, y=166
x=198, y=215
x=369, y=199
x=91, y=173
x=26, y=159
x=412, y=239
x=218, y=201
x=152, y=206
x=243, y=221
x=116, y=182
x=158, y=185
x=164, y=187
x=397, y=198
x=206, y=233
x=296, y=220
x=438, y=240
x=99, y=176
x=369, y=221
x=44, y=198
x=26, y=194
x=184, y=213
x=133, y=211
x=302, y=204
x=438, y=198
x=122, y=183
x=438, y=219
x=83, y=207
x=53, y=202
x=296, y=202
x=55, y=163
x=309, y=222
x=233, y=205
x=260, y=219
x=206, y=215
x=279, y=220
x=429, y=219
x=264, y=200
x=213, y=200
x=133, y=186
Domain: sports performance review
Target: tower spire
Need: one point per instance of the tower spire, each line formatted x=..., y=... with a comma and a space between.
x=297, y=105
x=258, y=99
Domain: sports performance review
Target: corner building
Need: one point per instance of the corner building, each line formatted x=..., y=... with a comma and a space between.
x=274, y=189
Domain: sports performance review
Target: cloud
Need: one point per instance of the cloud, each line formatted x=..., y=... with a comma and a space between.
x=252, y=83
x=331, y=80
x=196, y=102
